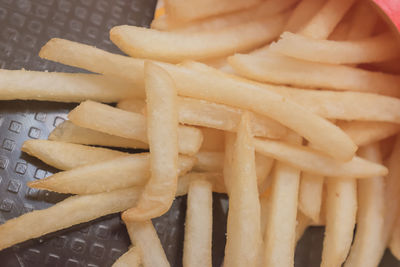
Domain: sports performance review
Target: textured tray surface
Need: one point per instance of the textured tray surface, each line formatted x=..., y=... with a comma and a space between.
x=26, y=26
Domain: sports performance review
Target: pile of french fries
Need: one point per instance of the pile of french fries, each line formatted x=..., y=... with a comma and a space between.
x=290, y=107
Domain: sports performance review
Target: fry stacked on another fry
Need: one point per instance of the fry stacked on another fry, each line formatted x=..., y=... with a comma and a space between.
x=282, y=105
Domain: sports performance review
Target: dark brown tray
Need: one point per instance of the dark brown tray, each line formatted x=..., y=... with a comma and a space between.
x=25, y=26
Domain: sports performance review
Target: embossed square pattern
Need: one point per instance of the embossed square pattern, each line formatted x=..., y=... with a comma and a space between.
x=25, y=26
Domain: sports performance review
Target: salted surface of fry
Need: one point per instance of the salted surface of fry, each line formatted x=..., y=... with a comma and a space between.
x=71, y=133
x=162, y=132
x=71, y=211
x=131, y=258
x=311, y=160
x=370, y=215
x=145, y=237
x=243, y=227
x=197, y=246
x=279, y=239
x=126, y=171
x=63, y=87
x=374, y=49
x=310, y=195
x=176, y=47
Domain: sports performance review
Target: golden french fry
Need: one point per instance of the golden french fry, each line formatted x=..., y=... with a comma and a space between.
x=71, y=133
x=197, y=246
x=184, y=10
x=370, y=216
x=341, y=212
x=126, y=171
x=265, y=205
x=374, y=49
x=209, y=161
x=325, y=21
x=68, y=156
x=366, y=132
x=176, y=47
x=279, y=69
x=310, y=195
x=131, y=258
x=216, y=179
x=63, y=87
x=114, y=121
x=312, y=161
x=394, y=244
x=243, y=227
x=71, y=211
x=213, y=139
x=133, y=105
x=302, y=13
x=280, y=234
x=162, y=132
x=145, y=237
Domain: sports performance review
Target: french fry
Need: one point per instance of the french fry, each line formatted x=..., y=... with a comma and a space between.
x=131, y=258
x=261, y=10
x=197, y=246
x=394, y=244
x=209, y=161
x=133, y=105
x=215, y=178
x=279, y=236
x=228, y=159
x=127, y=171
x=310, y=195
x=176, y=47
x=71, y=133
x=265, y=205
x=275, y=68
x=71, y=211
x=114, y=121
x=363, y=22
x=69, y=156
x=243, y=227
x=312, y=161
x=162, y=132
x=63, y=87
x=325, y=21
x=222, y=88
x=303, y=222
x=145, y=237
x=302, y=13
x=182, y=10
x=370, y=216
x=341, y=212
x=365, y=132
x=373, y=49
x=213, y=139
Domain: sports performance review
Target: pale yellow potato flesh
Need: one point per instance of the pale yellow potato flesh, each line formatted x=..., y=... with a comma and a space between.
x=310, y=195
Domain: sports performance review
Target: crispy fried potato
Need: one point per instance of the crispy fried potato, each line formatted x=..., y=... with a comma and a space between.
x=279, y=69
x=215, y=178
x=63, y=87
x=370, y=216
x=209, y=161
x=135, y=105
x=69, y=156
x=114, y=121
x=71, y=133
x=131, y=258
x=197, y=246
x=302, y=13
x=366, y=132
x=176, y=47
x=145, y=237
x=363, y=22
x=311, y=160
x=310, y=195
x=71, y=211
x=243, y=227
x=374, y=49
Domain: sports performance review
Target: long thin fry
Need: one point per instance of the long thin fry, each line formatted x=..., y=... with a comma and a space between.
x=366, y=132
x=133, y=105
x=126, y=171
x=216, y=179
x=209, y=161
x=279, y=69
x=313, y=161
x=363, y=22
x=162, y=131
x=71, y=133
x=302, y=13
x=71, y=211
x=197, y=246
x=69, y=156
x=370, y=217
x=176, y=47
x=145, y=237
x=243, y=227
x=310, y=195
x=325, y=21
x=374, y=49
x=131, y=258
x=63, y=87
x=114, y=121
x=280, y=234
x=225, y=89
